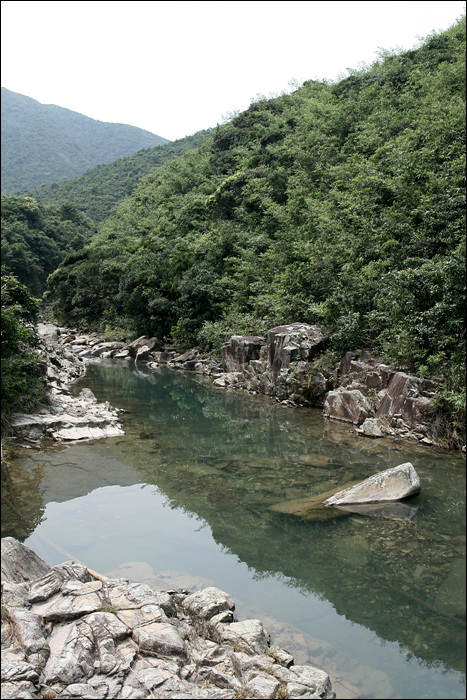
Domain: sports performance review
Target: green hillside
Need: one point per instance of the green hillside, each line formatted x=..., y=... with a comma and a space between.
x=97, y=192
x=340, y=204
x=46, y=143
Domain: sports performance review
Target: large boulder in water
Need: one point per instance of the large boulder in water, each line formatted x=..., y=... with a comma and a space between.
x=390, y=485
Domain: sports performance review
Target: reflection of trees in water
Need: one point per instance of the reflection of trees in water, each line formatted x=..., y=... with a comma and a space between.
x=366, y=571
x=22, y=506
x=226, y=457
x=382, y=574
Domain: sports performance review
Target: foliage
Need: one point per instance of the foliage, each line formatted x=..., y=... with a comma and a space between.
x=35, y=239
x=99, y=191
x=340, y=204
x=46, y=143
x=22, y=386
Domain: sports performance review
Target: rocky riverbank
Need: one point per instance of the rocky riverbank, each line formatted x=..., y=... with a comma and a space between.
x=68, y=632
x=375, y=398
x=63, y=417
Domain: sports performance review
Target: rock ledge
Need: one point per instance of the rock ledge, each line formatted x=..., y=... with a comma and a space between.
x=68, y=632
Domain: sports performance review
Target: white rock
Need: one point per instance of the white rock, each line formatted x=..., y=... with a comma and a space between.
x=249, y=634
x=370, y=427
x=390, y=485
x=208, y=602
x=19, y=563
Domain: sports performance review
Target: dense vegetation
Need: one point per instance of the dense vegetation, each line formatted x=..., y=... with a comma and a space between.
x=97, y=192
x=46, y=143
x=22, y=383
x=340, y=204
x=36, y=238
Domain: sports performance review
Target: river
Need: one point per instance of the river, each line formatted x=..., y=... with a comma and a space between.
x=186, y=499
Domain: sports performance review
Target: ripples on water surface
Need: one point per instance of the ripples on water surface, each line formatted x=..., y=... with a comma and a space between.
x=184, y=500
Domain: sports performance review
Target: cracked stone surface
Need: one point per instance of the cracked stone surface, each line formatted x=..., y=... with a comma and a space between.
x=67, y=635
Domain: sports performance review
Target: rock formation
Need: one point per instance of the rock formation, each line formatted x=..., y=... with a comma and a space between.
x=378, y=496
x=64, y=417
x=390, y=485
x=69, y=632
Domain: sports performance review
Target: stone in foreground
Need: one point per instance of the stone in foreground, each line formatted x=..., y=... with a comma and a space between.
x=65, y=635
x=19, y=563
x=390, y=485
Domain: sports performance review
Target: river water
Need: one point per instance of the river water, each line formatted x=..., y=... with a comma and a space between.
x=189, y=496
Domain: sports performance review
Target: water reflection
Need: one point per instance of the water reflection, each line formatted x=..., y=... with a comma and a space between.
x=22, y=503
x=229, y=459
x=395, y=511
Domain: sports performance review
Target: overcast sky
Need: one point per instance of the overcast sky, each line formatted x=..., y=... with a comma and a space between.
x=174, y=68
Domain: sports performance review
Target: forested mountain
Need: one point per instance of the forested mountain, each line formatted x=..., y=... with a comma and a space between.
x=46, y=143
x=340, y=204
x=97, y=192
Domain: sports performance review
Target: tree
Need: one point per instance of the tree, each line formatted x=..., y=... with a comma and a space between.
x=22, y=386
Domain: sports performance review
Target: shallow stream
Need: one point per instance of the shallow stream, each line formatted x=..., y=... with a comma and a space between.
x=185, y=500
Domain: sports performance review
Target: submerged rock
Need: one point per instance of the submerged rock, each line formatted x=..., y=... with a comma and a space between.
x=311, y=507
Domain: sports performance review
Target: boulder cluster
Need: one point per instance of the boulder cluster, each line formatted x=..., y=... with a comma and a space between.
x=382, y=400
x=68, y=632
x=377, y=398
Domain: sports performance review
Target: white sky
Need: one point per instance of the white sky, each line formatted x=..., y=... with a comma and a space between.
x=174, y=68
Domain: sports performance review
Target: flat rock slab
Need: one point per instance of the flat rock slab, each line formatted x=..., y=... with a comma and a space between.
x=390, y=485
x=87, y=433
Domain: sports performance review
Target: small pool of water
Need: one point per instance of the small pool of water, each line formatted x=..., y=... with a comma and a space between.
x=187, y=498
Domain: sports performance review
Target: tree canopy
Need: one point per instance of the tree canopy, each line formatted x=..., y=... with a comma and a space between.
x=22, y=385
x=36, y=238
x=99, y=191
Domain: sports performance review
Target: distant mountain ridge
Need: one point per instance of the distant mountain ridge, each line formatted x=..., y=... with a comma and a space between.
x=46, y=143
